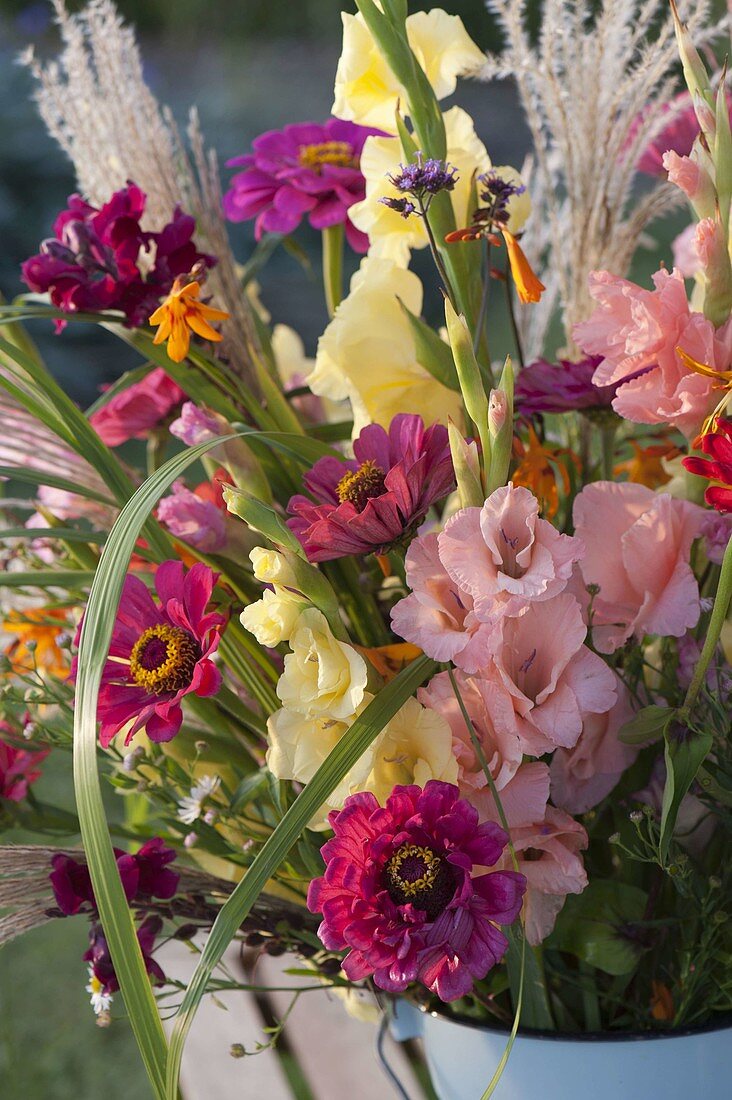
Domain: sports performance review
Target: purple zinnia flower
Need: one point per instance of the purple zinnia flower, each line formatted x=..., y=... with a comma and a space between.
x=306, y=169
x=367, y=504
x=144, y=874
x=544, y=387
x=101, y=966
x=400, y=895
x=92, y=261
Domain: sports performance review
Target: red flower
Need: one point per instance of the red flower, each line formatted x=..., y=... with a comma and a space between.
x=92, y=261
x=145, y=874
x=18, y=769
x=132, y=413
x=100, y=960
x=400, y=894
x=159, y=653
x=718, y=467
x=368, y=504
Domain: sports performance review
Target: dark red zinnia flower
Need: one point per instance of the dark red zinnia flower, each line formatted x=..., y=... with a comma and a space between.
x=718, y=467
x=308, y=169
x=399, y=892
x=159, y=653
x=367, y=504
x=92, y=262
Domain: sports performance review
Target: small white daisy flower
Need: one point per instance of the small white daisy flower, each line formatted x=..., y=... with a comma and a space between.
x=100, y=1001
x=191, y=807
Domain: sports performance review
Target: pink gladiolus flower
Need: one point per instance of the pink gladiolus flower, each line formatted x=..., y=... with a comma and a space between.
x=438, y=615
x=637, y=332
x=192, y=518
x=552, y=679
x=306, y=169
x=494, y=721
x=581, y=777
x=686, y=257
x=18, y=769
x=159, y=653
x=368, y=504
x=504, y=556
x=400, y=894
x=689, y=176
x=133, y=413
x=638, y=545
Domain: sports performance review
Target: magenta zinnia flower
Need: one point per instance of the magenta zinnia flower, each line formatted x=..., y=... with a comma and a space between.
x=306, y=169
x=145, y=874
x=399, y=894
x=137, y=410
x=92, y=262
x=717, y=467
x=159, y=653
x=369, y=503
x=544, y=387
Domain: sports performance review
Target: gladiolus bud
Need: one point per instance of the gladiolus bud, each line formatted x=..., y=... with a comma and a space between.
x=500, y=420
x=466, y=463
x=497, y=411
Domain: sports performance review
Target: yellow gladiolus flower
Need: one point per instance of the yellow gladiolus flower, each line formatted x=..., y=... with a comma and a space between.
x=366, y=90
x=180, y=314
x=366, y=353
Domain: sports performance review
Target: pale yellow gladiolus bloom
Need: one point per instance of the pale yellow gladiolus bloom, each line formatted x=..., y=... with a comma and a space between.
x=366, y=353
x=323, y=678
x=270, y=567
x=414, y=747
x=273, y=618
x=366, y=90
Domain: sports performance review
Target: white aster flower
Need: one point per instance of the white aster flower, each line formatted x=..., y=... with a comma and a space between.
x=100, y=1001
x=191, y=806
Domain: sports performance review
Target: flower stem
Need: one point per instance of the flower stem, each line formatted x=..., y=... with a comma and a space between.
x=439, y=264
x=719, y=614
x=333, y=266
x=483, y=309
x=512, y=317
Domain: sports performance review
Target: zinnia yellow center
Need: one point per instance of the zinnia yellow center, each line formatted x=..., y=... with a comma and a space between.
x=163, y=659
x=417, y=875
x=358, y=486
x=339, y=153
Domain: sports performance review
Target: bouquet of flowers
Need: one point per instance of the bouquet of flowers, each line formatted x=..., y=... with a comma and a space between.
x=411, y=660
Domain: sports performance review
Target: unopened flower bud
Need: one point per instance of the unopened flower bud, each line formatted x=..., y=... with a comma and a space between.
x=29, y=731
x=201, y=747
x=130, y=759
x=64, y=640
x=190, y=840
x=236, y=1050
x=210, y=817
x=497, y=411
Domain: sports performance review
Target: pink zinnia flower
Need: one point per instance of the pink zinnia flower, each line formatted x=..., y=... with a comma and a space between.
x=367, y=504
x=638, y=545
x=637, y=332
x=400, y=895
x=306, y=169
x=137, y=410
x=678, y=135
x=145, y=874
x=159, y=653
x=93, y=260
x=717, y=468
x=18, y=769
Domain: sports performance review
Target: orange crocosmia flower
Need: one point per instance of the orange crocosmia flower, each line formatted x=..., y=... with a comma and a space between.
x=539, y=470
x=180, y=314
x=529, y=287
x=43, y=627
x=388, y=660
x=662, y=1003
x=646, y=466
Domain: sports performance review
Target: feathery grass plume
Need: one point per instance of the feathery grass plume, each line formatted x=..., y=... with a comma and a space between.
x=596, y=92
x=96, y=105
